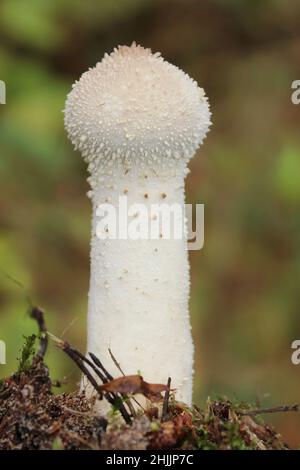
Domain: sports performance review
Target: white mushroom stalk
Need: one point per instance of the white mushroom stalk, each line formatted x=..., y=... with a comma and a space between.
x=137, y=120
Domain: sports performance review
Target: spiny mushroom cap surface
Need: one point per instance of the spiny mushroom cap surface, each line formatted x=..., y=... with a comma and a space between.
x=134, y=105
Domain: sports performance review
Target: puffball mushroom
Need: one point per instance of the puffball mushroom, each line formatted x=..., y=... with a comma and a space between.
x=137, y=120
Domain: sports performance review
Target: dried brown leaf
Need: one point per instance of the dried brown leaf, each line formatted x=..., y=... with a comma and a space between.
x=135, y=384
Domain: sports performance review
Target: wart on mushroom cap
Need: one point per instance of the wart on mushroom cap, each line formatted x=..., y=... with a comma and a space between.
x=137, y=120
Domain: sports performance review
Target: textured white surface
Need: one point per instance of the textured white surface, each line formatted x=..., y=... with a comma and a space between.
x=137, y=121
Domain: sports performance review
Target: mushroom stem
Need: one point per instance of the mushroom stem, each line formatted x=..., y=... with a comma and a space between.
x=139, y=289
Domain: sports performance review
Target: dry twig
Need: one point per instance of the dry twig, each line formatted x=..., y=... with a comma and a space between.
x=164, y=415
x=261, y=411
x=37, y=314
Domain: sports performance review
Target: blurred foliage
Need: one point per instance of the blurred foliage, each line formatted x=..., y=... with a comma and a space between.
x=245, y=294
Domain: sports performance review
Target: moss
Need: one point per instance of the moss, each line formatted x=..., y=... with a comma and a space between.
x=27, y=353
x=204, y=440
x=233, y=436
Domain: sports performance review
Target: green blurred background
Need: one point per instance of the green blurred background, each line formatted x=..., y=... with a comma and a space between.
x=245, y=282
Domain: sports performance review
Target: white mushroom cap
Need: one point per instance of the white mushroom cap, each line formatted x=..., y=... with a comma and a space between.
x=135, y=105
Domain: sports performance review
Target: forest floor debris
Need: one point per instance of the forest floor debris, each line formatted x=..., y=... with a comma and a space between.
x=33, y=417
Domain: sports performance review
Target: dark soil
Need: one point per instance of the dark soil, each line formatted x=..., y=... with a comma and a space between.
x=32, y=417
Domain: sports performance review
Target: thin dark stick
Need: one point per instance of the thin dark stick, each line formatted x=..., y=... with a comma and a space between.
x=117, y=364
x=101, y=366
x=37, y=314
x=109, y=378
x=165, y=408
x=91, y=364
x=83, y=369
x=114, y=397
x=276, y=409
x=104, y=379
x=19, y=285
x=80, y=359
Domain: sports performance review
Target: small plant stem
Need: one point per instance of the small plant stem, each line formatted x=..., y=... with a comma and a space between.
x=276, y=409
x=165, y=408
